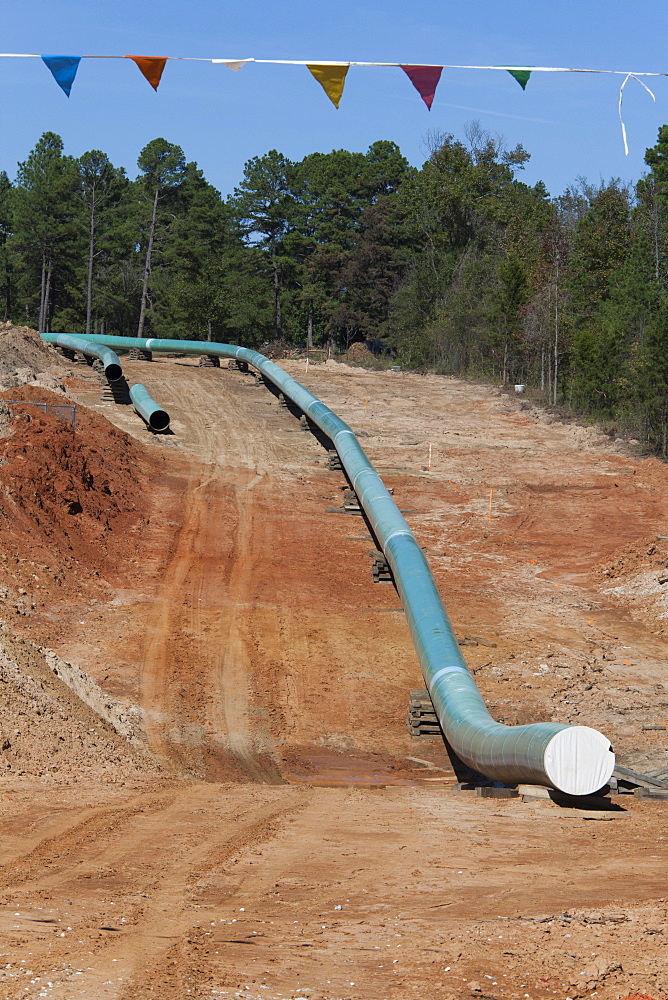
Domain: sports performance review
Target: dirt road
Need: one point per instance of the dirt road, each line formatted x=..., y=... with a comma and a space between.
x=289, y=838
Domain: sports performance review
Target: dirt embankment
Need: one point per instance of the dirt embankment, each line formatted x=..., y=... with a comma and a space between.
x=26, y=359
x=72, y=500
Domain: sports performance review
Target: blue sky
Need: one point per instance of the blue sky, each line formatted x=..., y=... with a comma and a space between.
x=568, y=123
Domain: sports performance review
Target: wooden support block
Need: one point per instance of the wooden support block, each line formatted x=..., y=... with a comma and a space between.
x=478, y=640
x=490, y=792
x=636, y=778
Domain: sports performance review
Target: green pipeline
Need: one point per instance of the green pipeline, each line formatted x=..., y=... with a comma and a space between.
x=154, y=416
x=573, y=759
x=74, y=342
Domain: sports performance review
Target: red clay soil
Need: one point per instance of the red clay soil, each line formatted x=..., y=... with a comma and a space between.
x=276, y=832
x=71, y=500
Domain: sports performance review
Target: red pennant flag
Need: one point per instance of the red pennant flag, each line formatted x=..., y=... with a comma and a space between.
x=425, y=80
x=151, y=67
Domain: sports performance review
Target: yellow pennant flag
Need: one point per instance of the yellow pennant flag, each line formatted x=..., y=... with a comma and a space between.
x=331, y=78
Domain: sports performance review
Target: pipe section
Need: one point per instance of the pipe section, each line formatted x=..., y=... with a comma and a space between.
x=576, y=760
x=112, y=366
x=147, y=408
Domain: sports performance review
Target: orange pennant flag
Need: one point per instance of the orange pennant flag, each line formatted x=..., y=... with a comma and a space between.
x=331, y=78
x=151, y=67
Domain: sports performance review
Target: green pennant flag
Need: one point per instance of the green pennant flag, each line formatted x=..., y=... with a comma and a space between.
x=522, y=76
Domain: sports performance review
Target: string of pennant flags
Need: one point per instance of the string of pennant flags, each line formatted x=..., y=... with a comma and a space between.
x=330, y=75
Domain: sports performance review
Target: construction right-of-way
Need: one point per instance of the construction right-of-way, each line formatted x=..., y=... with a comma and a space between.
x=577, y=760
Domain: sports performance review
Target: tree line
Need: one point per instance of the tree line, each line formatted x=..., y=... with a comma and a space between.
x=458, y=266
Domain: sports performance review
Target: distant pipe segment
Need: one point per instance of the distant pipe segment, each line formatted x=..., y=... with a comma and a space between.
x=147, y=408
x=112, y=366
x=574, y=759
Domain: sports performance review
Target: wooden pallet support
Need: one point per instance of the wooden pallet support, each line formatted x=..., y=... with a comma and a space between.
x=422, y=720
x=209, y=361
x=351, y=502
x=380, y=568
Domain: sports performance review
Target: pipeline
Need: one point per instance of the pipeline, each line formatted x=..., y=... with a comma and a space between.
x=576, y=760
x=154, y=416
x=75, y=342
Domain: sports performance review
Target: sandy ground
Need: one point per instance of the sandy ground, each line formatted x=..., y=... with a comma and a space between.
x=270, y=829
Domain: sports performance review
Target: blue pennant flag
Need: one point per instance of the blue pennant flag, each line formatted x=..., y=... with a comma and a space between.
x=64, y=69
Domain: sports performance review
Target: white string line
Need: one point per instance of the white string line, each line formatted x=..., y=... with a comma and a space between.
x=328, y=62
x=629, y=76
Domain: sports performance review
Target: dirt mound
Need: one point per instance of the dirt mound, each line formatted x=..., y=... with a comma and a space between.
x=638, y=574
x=47, y=731
x=359, y=352
x=647, y=554
x=24, y=358
x=277, y=349
x=68, y=498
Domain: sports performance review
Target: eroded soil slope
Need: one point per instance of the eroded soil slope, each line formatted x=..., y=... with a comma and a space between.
x=71, y=502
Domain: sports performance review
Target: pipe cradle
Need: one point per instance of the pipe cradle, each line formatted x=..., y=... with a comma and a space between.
x=147, y=408
x=576, y=760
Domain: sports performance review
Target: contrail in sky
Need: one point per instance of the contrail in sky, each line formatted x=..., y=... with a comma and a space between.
x=499, y=114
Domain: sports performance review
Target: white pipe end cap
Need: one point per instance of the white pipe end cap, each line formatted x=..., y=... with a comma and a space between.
x=579, y=760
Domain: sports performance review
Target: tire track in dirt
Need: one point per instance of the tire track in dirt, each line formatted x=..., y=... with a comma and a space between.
x=130, y=906
x=252, y=534
x=53, y=855
x=197, y=701
x=157, y=677
x=172, y=911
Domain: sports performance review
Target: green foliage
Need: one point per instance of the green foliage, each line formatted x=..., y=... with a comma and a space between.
x=103, y=190
x=474, y=226
x=46, y=228
x=6, y=276
x=460, y=265
x=600, y=245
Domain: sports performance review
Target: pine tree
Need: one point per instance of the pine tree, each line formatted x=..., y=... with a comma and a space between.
x=6, y=290
x=343, y=197
x=102, y=188
x=163, y=171
x=46, y=227
x=264, y=208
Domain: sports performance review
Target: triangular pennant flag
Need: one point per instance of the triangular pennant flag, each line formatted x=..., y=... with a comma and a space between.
x=64, y=69
x=521, y=75
x=151, y=67
x=331, y=78
x=425, y=80
x=235, y=64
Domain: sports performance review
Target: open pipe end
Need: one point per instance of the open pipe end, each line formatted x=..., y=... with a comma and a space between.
x=113, y=372
x=579, y=760
x=159, y=420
